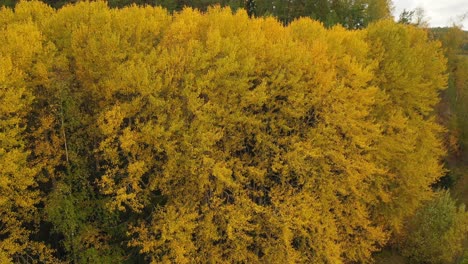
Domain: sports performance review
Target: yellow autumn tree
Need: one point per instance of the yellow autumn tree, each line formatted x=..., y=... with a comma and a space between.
x=260, y=136
x=73, y=207
x=410, y=73
x=23, y=67
x=61, y=141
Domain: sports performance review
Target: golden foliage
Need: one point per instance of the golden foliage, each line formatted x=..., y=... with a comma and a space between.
x=22, y=67
x=220, y=138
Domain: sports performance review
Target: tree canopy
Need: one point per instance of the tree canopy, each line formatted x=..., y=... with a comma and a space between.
x=134, y=134
x=351, y=14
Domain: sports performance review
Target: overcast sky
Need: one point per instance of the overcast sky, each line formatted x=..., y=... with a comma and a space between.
x=440, y=12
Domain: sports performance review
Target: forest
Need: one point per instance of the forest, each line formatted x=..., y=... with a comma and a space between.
x=243, y=132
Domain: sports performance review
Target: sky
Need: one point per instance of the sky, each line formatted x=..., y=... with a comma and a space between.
x=440, y=12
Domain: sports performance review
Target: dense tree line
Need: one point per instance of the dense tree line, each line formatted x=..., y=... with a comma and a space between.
x=349, y=13
x=136, y=135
